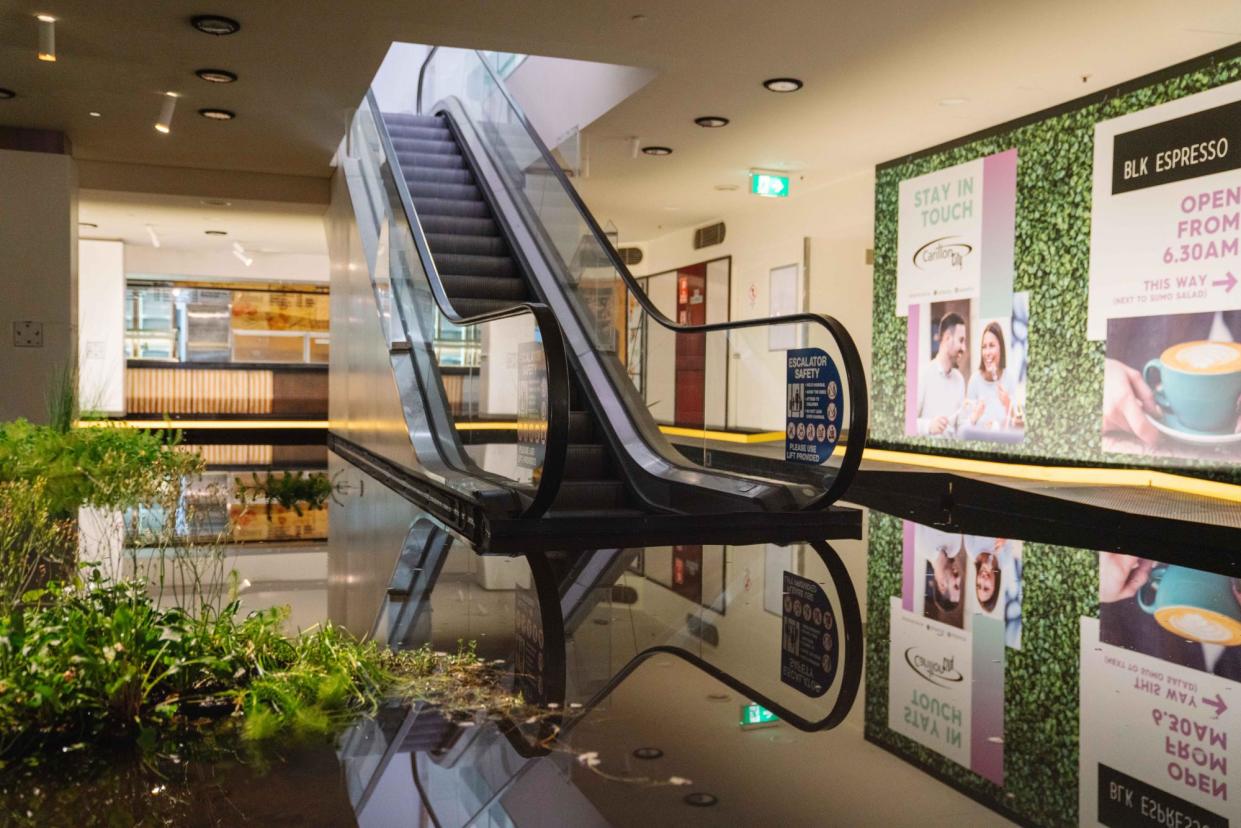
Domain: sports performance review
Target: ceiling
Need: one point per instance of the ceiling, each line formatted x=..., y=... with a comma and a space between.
x=875, y=74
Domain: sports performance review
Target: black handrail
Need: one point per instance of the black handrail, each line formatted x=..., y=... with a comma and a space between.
x=858, y=397
x=557, y=445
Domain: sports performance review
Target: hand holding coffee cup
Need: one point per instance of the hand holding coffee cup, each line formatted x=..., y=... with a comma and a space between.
x=1198, y=383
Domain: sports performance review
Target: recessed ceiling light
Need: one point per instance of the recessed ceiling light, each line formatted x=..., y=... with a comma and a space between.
x=218, y=114
x=216, y=232
x=783, y=84
x=711, y=121
x=152, y=234
x=726, y=188
x=90, y=224
x=648, y=753
x=96, y=114
x=7, y=94
x=215, y=202
x=700, y=799
x=953, y=101
x=657, y=150
x=638, y=18
x=214, y=24
x=216, y=75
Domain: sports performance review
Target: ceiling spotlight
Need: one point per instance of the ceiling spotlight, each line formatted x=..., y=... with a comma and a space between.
x=47, y=37
x=214, y=24
x=783, y=84
x=218, y=114
x=164, y=124
x=7, y=94
x=711, y=121
x=216, y=75
x=648, y=753
x=216, y=232
x=96, y=114
x=727, y=188
x=952, y=101
x=89, y=224
x=151, y=233
x=215, y=202
x=657, y=150
x=240, y=253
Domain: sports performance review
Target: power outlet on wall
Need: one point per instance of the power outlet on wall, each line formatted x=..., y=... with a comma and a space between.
x=27, y=334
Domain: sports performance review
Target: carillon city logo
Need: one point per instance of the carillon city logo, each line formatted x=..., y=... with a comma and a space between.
x=940, y=672
x=941, y=253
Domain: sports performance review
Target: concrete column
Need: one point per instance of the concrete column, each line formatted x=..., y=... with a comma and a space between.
x=38, y=277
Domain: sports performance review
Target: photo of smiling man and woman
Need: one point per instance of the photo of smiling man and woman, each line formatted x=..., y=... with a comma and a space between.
x=967, y=376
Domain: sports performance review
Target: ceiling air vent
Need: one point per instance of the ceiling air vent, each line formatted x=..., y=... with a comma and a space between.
x=630, y=255
x=707, y=236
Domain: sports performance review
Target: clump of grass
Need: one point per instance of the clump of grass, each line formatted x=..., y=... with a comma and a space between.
x=35, y=545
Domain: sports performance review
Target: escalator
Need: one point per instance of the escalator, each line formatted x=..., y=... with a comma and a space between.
x=479, y=236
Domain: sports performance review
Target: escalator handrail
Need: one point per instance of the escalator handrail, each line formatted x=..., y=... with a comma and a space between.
x=858, y=399
x=556, y=355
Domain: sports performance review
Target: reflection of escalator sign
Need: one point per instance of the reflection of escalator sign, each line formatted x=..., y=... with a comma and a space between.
x=809, y=644
x=531, y=406
x=814, y=397
x=528, y=658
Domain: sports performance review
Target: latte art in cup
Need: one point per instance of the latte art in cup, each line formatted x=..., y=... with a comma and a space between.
x=1201, y=625
x=1204, y=357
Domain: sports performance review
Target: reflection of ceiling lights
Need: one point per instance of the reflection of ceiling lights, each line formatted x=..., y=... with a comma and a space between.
x=711, y=121
x=151, y=233
x=216, y=75
x=164, y=124
x=7, y=94
x=47, y=37
x=783, y=84
x=214, y=24
x=218, y=114
x=657, y=150
x=240, y=253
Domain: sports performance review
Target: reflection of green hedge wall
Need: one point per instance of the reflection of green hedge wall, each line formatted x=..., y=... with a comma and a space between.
x=1040, y=680
x=1054, y=160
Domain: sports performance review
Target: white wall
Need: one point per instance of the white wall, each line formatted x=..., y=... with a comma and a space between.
x=165, y=262
x=38, y=275
x=762, y=234
x=101, y=326
x=560, y=95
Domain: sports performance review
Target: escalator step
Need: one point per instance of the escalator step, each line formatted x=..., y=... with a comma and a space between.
x=473, y=307
x=466, y=265
x=469, y=245
x=420, y=133
x=581, y=427
x=410, y=119
x=590, y=494
x=420, y=161
x=451, y=192
x=448, y=207
x=586, y=462
x=438, y=175
x=483, y=287
x=448, y=225
x=423, y=147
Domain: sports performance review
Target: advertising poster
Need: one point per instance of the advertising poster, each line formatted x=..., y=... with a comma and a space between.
x=955, y=234
x=1165, y=259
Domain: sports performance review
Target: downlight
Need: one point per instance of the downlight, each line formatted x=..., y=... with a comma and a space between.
x=218, y=114
x=783, y=84
x=217, y=75
x=712, y=121
x=47, y=37
x=7, y=94
x=657, y=150
x=214, y=24
x=216, y=232
x=164, y=124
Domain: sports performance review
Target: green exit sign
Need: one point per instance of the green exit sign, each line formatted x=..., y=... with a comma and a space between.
x=770, y=185
x=755, y=715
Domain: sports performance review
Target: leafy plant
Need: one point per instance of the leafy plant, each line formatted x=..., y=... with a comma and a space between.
x=111, y=467
x=297, y=491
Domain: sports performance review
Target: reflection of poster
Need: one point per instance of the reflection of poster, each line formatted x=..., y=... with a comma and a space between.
x=946, y=689
x=966, y=372
x=809, y=642
x=1159, y=741
x=263, y=311
x=1165, y=232
x=531, y=407
x=955, y=234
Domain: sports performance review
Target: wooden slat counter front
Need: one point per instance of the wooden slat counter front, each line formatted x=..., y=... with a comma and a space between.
x=230, y=389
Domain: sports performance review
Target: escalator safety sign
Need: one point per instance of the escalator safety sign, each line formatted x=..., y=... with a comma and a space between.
x=814, y=406
x=809, y=647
